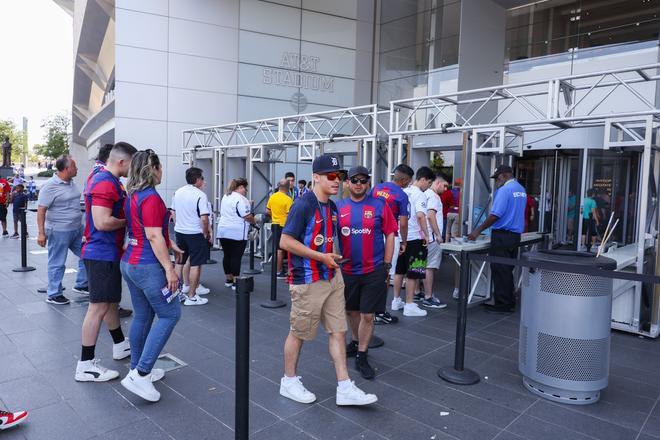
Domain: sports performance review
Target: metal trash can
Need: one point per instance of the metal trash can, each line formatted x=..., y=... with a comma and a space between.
x=564, y=346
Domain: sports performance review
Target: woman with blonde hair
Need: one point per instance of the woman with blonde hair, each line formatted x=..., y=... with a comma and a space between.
x=149, y=273
x=233, y=227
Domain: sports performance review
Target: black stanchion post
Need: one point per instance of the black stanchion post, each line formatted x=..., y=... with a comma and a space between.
x=273, y=302
x=24, y=267
x=244, y=285
x=458, y=374
x=252, y=270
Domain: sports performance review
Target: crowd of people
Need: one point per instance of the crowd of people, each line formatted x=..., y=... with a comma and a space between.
x=341, y=256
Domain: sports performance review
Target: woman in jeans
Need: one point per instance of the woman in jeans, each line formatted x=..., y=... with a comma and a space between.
x=233, y=227
x=149, y=273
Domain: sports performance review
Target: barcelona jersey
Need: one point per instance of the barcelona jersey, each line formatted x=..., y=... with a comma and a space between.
x=144, y=209
x=104, y=190
x=362, y=227
x=394, y=196
x=313, y=224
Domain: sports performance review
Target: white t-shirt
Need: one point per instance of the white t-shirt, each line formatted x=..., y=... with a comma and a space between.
x=416, y=203
x=190, y=204
x=231, y=223
x=433, y=202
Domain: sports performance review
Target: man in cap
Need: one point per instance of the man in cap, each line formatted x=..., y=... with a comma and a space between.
x=316, y=286
x=366, y=238
x=507, y=220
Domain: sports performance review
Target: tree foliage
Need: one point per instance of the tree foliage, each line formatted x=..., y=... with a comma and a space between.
x=8, y=128
x=56, y=141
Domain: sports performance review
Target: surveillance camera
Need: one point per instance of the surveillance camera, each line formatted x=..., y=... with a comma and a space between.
x=557, y=145
x=529, y=147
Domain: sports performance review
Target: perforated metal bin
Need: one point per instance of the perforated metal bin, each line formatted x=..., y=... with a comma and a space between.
x=564, y=347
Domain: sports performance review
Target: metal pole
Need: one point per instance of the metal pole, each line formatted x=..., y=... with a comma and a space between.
x=273, y=302
x=252, y=270
x=244, y=286
x=458, y=374
x=24, y=267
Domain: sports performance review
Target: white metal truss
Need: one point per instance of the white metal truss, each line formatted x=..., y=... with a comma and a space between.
x=571, y=101
x=266, y=154
x=351, y=123
x=500, y=140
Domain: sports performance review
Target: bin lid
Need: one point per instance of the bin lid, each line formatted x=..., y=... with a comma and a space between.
x=572, y=258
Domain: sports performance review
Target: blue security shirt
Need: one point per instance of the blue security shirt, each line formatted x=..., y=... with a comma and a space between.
x=509, y=207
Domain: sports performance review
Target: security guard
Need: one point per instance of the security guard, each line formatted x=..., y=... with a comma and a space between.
x=507, y=219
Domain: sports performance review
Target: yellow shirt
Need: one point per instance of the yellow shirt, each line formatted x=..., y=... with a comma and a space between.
x=279, y=204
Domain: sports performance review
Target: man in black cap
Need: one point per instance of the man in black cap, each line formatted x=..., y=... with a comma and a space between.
x=366, y=238
x=507, y=220
x=316, y=286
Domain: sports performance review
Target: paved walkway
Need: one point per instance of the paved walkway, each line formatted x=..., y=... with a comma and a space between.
x=40, y=343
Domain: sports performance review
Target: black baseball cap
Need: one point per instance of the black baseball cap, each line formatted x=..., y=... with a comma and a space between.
x=326, y=163
x=356, y=171
x=500, y=170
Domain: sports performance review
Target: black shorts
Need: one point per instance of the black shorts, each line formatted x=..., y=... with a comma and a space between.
x=413, y=262
x=104, y=281
x=194, y=246
x=3, y=213
x=366, y=293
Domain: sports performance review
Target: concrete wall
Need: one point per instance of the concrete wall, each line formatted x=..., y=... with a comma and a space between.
x=188, y=63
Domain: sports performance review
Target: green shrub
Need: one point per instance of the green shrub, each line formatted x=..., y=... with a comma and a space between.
x=46, y=173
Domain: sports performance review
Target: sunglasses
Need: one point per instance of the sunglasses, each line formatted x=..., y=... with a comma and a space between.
x=334, y=176
x=355, y=180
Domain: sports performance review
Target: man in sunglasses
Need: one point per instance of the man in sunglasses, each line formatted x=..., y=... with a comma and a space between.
x=316, y=286
x=366, y=238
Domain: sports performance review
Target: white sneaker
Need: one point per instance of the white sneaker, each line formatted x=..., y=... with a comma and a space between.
x=157, y=374
x=93, y=371
x=294, y=389
x=202, y=290
x=141, y=385
x=229, y=284
x=397, y=304
x=455, y=293
x=195, y=301
x=355, y=396
x=413, y=310
x=121, y=351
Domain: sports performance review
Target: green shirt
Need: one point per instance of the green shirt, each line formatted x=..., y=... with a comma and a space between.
x=589, y=205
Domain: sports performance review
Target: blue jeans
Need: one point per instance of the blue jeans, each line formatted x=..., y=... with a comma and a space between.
x=145, y=282
x=59, y=243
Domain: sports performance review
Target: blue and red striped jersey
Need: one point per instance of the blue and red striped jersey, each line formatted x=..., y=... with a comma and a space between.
x=313, y=224
x=144, y=209
x=98, y=166
x=394, y=196
x=104, y=190
x=363, y=227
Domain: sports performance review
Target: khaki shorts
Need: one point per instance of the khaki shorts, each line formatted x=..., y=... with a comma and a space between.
x=319, y=302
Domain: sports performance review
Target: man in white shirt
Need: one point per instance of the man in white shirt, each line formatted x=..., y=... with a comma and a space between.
x=435, y=223
x=414, y=258
x=191, y=226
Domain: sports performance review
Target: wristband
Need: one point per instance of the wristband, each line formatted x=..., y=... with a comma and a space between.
x=388, y=266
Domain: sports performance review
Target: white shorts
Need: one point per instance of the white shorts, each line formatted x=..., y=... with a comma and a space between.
x=395, y=255
x=434, y=257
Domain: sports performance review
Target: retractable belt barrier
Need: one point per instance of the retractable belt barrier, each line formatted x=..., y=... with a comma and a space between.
x=559, y=267
x=460, y=375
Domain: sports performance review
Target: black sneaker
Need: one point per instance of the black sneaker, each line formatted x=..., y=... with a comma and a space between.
x=58, y=299
x=83, y=290
x=385, y=318
x=5, y=234
x=351, y=349
x=15, y=236
x=362, y=365
x=125, y=313
x=282, y=275
x=433, y=303
x=419, y=296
